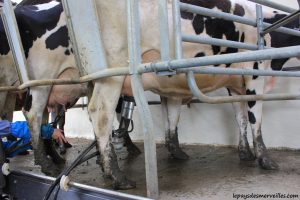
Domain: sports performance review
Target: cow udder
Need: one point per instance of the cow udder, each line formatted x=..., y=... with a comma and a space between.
x=65, y=94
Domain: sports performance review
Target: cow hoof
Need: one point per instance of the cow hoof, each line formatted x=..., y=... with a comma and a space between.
x=267, y=163
x=50, y=169
x=179, y=154
x=246, y=155
x=123, y=184
x=62, y=150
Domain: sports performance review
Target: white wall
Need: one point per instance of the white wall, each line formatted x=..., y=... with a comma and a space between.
x=215, y=124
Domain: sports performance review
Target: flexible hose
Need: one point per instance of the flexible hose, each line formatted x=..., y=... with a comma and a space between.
x=68, y=170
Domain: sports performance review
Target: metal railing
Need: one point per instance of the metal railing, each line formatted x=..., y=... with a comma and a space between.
x=267, y=54
x=168, y=66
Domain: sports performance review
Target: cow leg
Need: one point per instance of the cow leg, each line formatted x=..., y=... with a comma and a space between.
x=240, y=109
x=34, y=118
x=9, y=107
x=101, y=110
x=171, y=111
x=255, y=118
x=2, y=104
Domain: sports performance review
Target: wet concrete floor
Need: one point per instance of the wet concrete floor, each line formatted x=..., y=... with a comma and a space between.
x=210, y=173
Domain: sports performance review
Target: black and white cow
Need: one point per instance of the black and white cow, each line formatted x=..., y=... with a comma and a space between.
x=8, y=75
x=41, y=41
x=219, y=28
x=49, y=55
x=250, y=85
x=46, y=45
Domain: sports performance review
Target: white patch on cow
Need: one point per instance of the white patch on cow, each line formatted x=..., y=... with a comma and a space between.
x=46, y=6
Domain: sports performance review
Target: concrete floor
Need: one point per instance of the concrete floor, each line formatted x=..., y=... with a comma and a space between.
x=210, y=173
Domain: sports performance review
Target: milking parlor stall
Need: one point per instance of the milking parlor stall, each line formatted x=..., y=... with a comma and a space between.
x=225, y=65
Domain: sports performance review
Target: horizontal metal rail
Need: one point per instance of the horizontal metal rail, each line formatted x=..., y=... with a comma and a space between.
x=267, y=54
x=230, y=99
x=238, y=71
x=218, y=14
x=293, y=69
x=22, y=185
x=121, y=71
x=217, y=42
x=274, y=5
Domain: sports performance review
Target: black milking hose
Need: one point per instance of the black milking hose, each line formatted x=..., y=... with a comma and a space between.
x=68, y=170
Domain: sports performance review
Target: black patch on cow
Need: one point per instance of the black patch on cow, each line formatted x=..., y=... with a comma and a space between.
x=277, y=64
x=251, y=92
x=223, y=5
x=243, y=37
x=200, y=54
x=4, y=46
x=33, y=23
x=239, y=10
x=72, y=50
x=67, y=52
x=216, y=28
x=255, y=67
x=187, y=15
x=198, y=24
x=251, y=117
x=282, y=40
x=58, y=38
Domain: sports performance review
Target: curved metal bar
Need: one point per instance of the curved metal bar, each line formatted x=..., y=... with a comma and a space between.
x=101, y=74
x=241, y=98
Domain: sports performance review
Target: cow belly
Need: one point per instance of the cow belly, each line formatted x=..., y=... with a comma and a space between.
x=66, y=94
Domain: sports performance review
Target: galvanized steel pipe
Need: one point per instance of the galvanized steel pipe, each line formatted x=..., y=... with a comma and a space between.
x=230, y=99
x=140, y=99
x=274, y=5
x=218, y=14
x=120, y=71
x=218, y=42
x=267, y=54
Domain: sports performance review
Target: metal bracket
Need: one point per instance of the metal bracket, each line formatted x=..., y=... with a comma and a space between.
x=260, y=27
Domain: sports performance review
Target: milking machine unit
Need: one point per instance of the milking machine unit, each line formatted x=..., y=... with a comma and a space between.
x=125, y=120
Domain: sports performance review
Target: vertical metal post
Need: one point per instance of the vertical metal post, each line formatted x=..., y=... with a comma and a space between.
x=85, y=33
x=143, y=108
x=14, y=39
x=177, y=29
x=164, y=30
x=298, y=1
x=260, y=27
x=164, y=34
